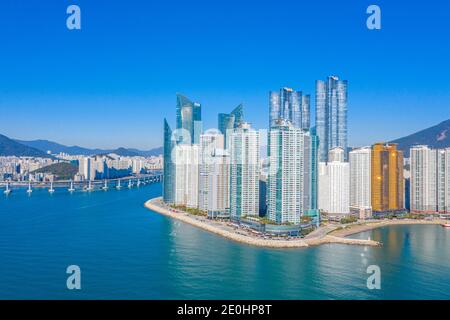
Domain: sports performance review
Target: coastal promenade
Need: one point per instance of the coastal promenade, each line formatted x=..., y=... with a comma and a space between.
x=228, y=231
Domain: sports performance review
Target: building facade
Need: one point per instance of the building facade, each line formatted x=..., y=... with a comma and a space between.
x=229, y=121
x=387, y=183
x=186, y=162
x=334, y=185
x=430, y=180
x=289, y=178
x=188, y=120
x=423, y=180
x=360, y=177
x=213, y=173
x=244, y=172
x=331, y=115
x=290, y=105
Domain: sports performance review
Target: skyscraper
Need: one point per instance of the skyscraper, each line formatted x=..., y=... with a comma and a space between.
x=244, y=171
x=334, y=184
x=314, y=170
x=387, y=178
x=186, y=162
x=430, y=180
x=168, y=174
x=360, y=177
x=211, y=145
x=229, y=121
x=289, y=178
x=178, y=183
x=219, y=184
x=289, y=105
x=423, y=183
x=331, y=115
x=443, y=181
x=188, y=118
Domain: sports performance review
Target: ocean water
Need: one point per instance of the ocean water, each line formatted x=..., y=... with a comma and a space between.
x=126, y=251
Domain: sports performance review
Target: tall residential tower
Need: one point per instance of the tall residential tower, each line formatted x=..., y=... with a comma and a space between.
x=331, y=115
x=289, y=105
x=387, y=178
x=244, y=172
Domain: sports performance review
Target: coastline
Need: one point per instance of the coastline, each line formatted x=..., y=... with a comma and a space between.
x=357, y=228
x=225, y=231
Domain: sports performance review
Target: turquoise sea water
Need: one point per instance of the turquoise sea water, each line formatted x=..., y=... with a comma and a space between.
x=128, y=252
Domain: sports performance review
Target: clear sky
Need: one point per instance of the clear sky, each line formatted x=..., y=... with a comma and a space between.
x=111, y=83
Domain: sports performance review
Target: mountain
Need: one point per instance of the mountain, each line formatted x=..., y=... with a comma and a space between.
x=148, y=153
x=9, y=147
x=437, y=137
x=45, y=145
x=54, y=147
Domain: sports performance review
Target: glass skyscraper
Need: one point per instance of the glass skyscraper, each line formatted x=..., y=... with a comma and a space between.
x=188, y=129
x=331, y=115
x=189, y=118
x=289, y=105
x=230, y=121
x=169, y=168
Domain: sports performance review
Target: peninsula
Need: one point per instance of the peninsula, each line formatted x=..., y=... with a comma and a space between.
x=229, y=231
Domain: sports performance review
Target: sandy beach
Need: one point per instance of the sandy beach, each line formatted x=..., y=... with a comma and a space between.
x=235, y=234
x=357, y=228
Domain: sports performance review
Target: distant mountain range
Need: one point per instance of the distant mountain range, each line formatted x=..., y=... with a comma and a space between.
x=9, y=147
x=45, y=145
x=437, y=137
x=39, y=148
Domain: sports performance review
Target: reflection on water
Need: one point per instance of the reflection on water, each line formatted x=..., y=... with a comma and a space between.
x=127, y=251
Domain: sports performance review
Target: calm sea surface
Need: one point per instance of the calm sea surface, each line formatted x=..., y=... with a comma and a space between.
x=127, y=251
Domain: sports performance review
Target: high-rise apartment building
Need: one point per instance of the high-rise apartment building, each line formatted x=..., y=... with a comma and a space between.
x=86, y=168
x=219, y=184
x=443, y=181
x=289, y=105
x=188, y=120
x=187, y=133
x=430, y=180
x=289, y=178
x=244, y=171
x=387, y=178
x=186, y=162
x=229, y=121
x=334, y=185
x=213, y=173
x=423, y=183
x=331, y=115
x=360, y=177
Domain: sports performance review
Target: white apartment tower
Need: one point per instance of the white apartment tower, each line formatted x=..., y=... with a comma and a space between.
x=288, y=179
x=87, y=168
x=213, y=174
x=186, y=163
x=244, y=171
x=443, y=181
x=334, y=187
x=430, y=180
x=360, y=161
x=423, y=183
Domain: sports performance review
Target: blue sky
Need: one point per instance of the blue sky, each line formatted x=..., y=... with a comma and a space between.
x=111, y=83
